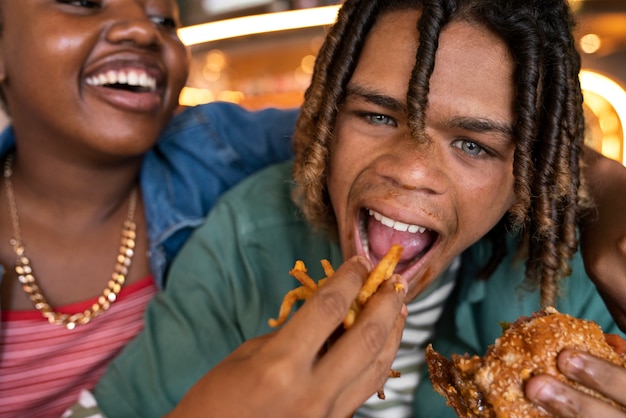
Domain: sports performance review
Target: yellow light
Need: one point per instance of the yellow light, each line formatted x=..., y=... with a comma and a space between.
x=263, y=23
x=307, y=64
x=590, y=43
x=190, y=96
x=612, y=92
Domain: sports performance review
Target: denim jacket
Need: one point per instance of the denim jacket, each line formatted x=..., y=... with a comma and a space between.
x=204, y=151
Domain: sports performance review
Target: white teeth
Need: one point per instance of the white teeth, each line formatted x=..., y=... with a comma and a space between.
x=131, y=78
x=397, y=225
x=415, y=228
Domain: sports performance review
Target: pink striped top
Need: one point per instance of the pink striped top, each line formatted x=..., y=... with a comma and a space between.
x=44, y=367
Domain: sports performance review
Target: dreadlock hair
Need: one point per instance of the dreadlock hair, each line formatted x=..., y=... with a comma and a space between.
x=548, y=129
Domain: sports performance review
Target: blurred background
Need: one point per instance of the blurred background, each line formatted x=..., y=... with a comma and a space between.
x=260, y=53
x=240, y=61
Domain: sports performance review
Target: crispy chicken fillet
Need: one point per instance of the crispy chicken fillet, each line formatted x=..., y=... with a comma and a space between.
x=493, y=385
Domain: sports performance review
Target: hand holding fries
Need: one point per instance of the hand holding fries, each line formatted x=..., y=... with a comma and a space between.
x=283, y=373
x=380, y=273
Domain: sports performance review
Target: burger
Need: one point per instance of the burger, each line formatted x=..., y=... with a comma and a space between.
x=493, y=385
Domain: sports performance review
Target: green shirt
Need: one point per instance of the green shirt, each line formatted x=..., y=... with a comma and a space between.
x=232, y=274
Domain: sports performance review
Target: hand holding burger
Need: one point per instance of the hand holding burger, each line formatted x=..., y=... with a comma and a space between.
x=534, y=361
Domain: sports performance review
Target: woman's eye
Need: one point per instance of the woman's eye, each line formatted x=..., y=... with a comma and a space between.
x=166, y=22
x=81, y=3
x=468, y=147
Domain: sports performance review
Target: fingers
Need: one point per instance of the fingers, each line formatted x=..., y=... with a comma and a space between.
x=361, y=387
x=617, y=342
x=365, y=352
x=326, y=308
x=250, y=347
x=594, y=373
x=563, y=400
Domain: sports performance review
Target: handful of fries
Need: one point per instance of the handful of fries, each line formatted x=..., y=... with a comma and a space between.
x=381, y=272
x=377, y=276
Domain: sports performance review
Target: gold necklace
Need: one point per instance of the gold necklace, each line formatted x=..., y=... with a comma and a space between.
x=27, y=278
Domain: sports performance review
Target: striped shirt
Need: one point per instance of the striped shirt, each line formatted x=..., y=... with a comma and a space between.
x=43, y=367
x=418, y=331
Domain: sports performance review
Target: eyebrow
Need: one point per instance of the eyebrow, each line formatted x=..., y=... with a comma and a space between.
x=375, y=98
x=482, y=125
x=471, y=124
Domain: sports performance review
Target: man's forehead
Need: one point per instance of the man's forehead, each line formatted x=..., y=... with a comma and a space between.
x=386, y=62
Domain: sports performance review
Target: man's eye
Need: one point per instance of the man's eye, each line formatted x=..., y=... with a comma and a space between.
x=166, y=22
x=380, y=119
x=469, y=147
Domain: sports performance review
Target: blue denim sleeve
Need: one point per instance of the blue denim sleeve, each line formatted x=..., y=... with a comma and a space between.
x=204, y=151
x=233, y=136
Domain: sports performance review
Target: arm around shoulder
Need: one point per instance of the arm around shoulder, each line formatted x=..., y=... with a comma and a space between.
x=603, y=238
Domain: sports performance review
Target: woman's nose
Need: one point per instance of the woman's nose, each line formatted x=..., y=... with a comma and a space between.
x=137, y=29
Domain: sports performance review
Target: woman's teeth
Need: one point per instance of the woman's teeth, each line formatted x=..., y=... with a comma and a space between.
x=397, y=225
x=130, y=78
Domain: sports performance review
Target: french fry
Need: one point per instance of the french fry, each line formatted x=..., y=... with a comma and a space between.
x=381, y=272
x=328, y=268
x=350, y=317
x=377, y=276
x=299, y=271
x=299, y=293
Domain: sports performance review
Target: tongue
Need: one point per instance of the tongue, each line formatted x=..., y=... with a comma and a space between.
x=381, y=238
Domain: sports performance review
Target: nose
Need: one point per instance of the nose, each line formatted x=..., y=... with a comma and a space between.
x=135, y=27
x=418, y=166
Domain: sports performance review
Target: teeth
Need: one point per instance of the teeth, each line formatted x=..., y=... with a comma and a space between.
x=131, y=78
x=398, y=226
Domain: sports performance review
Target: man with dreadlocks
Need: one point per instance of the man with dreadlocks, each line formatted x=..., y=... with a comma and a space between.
x=451, y=127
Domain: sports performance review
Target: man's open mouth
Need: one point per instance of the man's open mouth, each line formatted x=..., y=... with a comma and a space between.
x=379, y=232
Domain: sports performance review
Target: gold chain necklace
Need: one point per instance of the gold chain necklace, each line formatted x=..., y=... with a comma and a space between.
x=27, y=278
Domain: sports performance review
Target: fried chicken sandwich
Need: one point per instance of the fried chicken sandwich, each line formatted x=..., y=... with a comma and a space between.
x=493, y=385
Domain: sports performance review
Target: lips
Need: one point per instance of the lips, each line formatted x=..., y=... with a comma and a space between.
x=130, y=83
x=379, y=232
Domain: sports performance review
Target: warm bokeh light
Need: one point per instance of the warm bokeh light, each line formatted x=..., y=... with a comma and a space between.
x=603, y=97
x=307, y=64
x=590, y=43
x=611, y=93
x=263, y=23
x=192, y=96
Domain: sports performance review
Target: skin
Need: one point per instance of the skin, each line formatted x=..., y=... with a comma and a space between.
x=459, y=181
x=80, y=146
x=110, y=35
x=441, y=183
x=79, y=152
x=563, y=401
x=603, y=246
x=603, y=238
x=308, y=385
